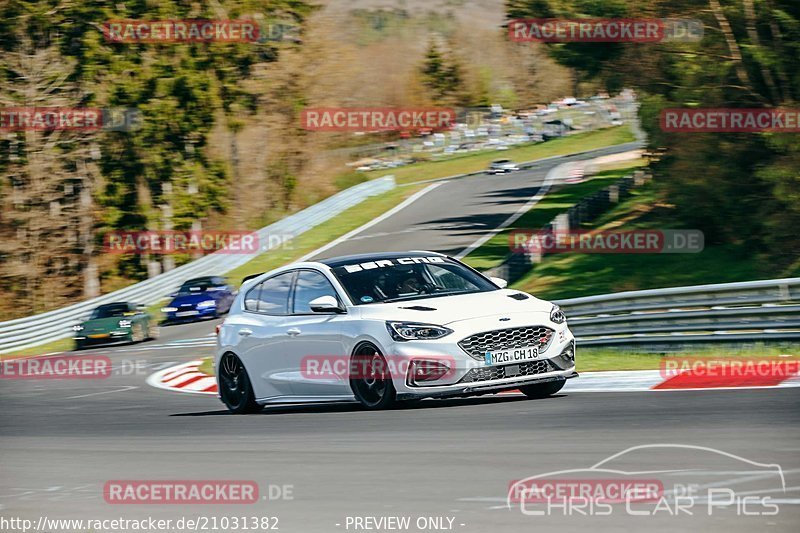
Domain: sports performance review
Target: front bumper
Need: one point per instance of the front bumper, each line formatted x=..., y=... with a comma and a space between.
x=194, y=314
x=113, y=337
x=470, y=376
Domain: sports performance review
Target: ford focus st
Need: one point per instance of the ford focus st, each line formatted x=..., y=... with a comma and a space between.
x=387, y=327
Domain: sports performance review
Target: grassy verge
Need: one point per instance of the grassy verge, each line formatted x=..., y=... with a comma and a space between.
x=600, y=359
x=495, y=250
x=207, y=366
x=62, y=345
x=572, y=275
x=461, y=164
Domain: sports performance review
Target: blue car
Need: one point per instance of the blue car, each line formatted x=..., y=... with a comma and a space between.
x=198, y=298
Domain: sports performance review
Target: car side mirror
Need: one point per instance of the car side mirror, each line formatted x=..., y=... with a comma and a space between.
x=325, y=304
x=500, y=282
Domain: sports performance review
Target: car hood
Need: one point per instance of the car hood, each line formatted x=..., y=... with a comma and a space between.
x=193, y=299
x=103, y=324
x=445, y=310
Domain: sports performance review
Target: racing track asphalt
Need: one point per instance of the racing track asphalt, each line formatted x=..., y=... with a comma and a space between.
x=60, y=441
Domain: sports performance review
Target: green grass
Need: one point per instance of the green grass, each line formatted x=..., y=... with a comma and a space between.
x=348, y=179
x=207, y=366
x=61, y=345
x=571, y=275
x=600, y=359
x=557, y=201
x=475, y=162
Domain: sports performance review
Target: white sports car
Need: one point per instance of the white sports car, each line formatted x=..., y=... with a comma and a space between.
x=386, y=327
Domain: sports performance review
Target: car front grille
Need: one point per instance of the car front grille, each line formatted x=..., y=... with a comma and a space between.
x=503, y=339
x=490, y=373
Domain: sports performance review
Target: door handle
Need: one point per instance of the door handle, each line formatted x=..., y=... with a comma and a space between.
x=245, y=332
x=293, y=332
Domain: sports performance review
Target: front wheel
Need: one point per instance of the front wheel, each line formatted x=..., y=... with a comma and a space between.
x=371, y=380
x=235, y=389
x=542, y=390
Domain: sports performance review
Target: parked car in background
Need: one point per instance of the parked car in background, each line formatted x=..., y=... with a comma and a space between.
x=205, y=297
x=502, y=166
x=115, y=323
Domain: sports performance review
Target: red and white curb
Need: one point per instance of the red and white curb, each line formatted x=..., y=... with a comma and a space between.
x=184, y=378
x=187, y=378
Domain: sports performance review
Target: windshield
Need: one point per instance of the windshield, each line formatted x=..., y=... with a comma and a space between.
x=111, y=310
x=408, y=278
x=195, y=287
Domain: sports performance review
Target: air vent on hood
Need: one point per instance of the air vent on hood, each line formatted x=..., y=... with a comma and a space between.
x=419, y=308
x=518, y=296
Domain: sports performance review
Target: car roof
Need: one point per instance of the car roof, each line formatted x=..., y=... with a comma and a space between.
x=334, y=262
x=112, y=304
x=201, y=278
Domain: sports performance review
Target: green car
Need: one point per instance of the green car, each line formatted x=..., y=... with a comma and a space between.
x=114, y=323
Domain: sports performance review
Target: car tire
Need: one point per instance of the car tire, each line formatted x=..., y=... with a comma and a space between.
x=372, y=386
x=542, y=390
x=235, y=389
x=137, y=332
x=79, y=346
x=152, y=331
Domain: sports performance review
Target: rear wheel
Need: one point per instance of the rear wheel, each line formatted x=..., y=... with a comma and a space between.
x=542, y=390
x=137, y=332
x=371, y=380
x=234, y=386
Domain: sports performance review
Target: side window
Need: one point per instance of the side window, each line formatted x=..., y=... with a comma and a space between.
x=309, y=286
x=273, y=298
x=251, y=298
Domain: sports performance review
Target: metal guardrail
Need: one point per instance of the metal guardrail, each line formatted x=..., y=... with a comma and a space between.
x=53, y=325
x=765, y=310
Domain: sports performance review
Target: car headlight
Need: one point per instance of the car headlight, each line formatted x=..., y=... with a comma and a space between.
x=168, y=309
x=409, y=331
x=77, y=327
x=557, y=315
x=124, y=323
x=206, y=303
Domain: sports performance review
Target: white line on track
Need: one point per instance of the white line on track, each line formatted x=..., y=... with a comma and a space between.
x=121, y=389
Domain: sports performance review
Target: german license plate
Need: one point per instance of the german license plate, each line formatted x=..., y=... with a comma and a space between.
x=186, y=313
x=514, y=355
